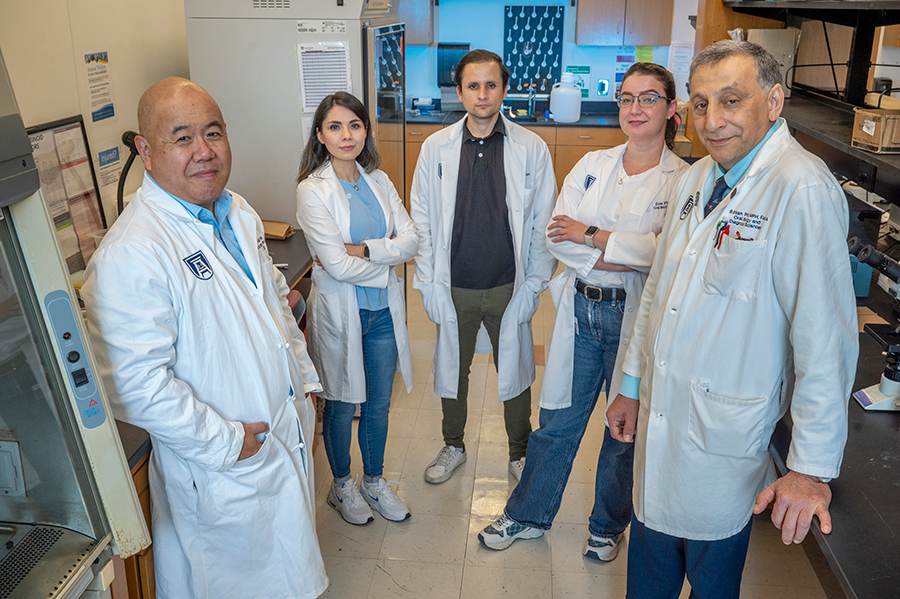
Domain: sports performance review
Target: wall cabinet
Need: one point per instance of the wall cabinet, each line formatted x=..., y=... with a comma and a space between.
x=624, y=22
x=420, y=17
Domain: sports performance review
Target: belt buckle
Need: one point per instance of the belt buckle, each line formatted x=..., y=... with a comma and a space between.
x=595, y=294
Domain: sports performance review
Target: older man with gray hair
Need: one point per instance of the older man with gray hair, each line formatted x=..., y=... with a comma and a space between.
x=748, y=312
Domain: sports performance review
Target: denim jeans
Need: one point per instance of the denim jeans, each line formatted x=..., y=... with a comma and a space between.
x=552, y=448
x=658, y=563
x=380, y=358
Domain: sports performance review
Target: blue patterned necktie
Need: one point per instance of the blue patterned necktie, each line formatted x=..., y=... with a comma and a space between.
x=718, y=193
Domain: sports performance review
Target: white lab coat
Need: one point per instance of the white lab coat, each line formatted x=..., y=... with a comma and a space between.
x=632, y=243
x=530, y=195
x=335, y=335
x=189, y=349
x=728, y=338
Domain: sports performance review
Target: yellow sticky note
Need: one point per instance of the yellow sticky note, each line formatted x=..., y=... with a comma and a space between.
x=644, y=54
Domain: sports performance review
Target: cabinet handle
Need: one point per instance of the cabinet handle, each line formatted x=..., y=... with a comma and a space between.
x=584, y=136
x=631, y=29
x=415, y=133
x=617, y=27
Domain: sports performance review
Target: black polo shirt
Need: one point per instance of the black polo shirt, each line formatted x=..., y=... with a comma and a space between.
x=481, y=251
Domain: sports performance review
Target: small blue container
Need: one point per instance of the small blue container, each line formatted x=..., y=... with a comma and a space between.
x=862, y=277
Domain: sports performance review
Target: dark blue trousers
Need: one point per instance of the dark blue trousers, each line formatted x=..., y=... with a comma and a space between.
x=658, y=563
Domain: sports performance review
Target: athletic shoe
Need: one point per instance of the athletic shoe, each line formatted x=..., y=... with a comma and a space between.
x=501, y=533
x=449, y=459
x=346, y=499
x=516, y=467
x=382, y=497
x=602, y=549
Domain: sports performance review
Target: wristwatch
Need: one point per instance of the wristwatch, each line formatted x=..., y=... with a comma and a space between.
x=589, y=236
x=365, y=251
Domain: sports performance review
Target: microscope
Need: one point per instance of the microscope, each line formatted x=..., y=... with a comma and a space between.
x=884, y=396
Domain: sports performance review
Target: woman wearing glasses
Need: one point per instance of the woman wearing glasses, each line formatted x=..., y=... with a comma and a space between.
x=604, y=230
x=357, y=229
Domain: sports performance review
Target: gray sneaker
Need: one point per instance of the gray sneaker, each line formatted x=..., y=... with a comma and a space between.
x=517, y=467
x=449, y=459
x=501, y=533
x=602, y=549
x=346, y=499
x=382, y=497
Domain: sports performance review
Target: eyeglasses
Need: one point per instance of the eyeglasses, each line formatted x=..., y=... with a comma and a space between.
x=644, y=100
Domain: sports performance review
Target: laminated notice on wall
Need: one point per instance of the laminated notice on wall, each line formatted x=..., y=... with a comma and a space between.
x=324, y=69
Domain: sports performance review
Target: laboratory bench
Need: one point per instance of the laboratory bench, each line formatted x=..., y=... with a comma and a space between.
x=864, y=545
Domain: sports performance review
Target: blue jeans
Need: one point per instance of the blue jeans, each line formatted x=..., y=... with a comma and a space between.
x=658, y=563
x=552, y=448
x=380, y=358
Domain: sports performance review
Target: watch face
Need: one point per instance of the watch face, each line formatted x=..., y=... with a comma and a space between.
x=591, y=230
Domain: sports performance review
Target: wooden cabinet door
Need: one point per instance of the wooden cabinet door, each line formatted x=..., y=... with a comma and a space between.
x=601, y=22
x=392, y=164
x=419, y=18
x=566, y=159
x=649, y=22
x=412, y=156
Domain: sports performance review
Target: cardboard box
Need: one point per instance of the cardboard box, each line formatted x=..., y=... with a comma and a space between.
x=876, y=130
x=683, y=146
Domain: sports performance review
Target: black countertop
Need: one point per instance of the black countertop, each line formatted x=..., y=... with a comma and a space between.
x=604, y=119
x=864, y=545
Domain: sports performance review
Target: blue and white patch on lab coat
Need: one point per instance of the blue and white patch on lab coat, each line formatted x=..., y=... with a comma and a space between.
x=688, y=206
x=440, y=171
x=199, y=266
x=588, y=181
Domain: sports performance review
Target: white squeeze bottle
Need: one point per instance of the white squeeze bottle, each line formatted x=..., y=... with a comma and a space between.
x=565, y=100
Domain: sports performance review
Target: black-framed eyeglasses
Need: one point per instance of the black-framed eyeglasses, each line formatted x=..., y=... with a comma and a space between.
x=644, y=100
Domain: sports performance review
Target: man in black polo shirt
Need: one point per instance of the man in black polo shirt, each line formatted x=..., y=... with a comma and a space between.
x=481, y=198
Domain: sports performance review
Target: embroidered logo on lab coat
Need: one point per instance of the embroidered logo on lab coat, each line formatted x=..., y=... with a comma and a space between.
x=688, y=206
x=199, y=266
x=440, y=171
x=589, y=180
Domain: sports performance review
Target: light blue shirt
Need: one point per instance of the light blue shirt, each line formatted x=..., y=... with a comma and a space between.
x=366, y=222
x=630, y=386
x=221, y=225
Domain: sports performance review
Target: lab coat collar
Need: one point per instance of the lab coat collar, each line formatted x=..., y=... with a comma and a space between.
x=668, y=161
x=332, y=185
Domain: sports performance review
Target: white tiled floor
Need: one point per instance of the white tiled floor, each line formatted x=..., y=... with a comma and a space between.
x=436, y=555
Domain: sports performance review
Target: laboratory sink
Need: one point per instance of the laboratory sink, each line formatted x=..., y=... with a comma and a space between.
x=524, y=119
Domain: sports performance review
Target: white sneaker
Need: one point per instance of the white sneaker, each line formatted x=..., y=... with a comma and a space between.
x=346, y=499
x=382, y=497
x=501, y=533
x=516, y=467
x=602, y=549
x=449, y=459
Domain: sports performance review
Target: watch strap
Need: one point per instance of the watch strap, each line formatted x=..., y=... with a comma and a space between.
x=589, y=236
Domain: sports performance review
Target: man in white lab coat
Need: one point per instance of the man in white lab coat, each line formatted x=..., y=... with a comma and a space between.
x=196, y=344
x=481, y=197
x=748, y=311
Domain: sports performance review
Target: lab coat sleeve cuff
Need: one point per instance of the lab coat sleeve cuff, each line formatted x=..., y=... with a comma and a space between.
x=314, y=387
x=811, y=470
x=234, y=452
x=630, y=386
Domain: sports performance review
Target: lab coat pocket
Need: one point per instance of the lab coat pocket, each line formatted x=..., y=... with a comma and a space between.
x=724, y=425
x=734, y=269
x=249, y=483
x=529, y=199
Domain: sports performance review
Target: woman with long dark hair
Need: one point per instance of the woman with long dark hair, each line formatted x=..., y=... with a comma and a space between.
x=358, y=230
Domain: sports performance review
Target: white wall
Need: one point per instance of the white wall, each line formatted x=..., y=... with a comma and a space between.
x=43, y=42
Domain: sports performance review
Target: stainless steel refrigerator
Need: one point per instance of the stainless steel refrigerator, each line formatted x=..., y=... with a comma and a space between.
x=268, y=63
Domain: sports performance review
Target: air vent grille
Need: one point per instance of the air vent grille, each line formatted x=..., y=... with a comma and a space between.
x=266, y=4
x=26, y=555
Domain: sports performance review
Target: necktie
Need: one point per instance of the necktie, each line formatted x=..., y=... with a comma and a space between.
x=718, y=193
